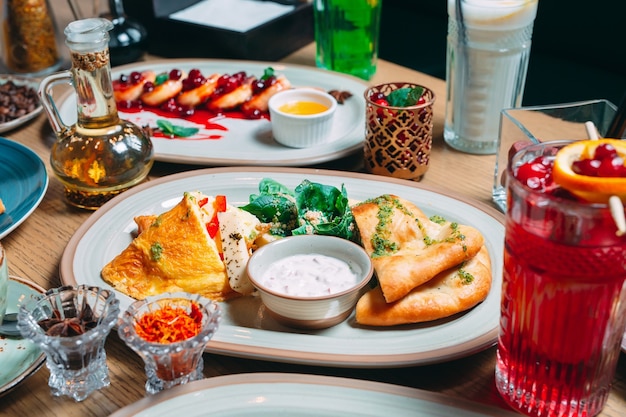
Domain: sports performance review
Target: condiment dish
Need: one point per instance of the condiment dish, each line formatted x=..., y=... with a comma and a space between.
x=170, y=332
x=303, y=308
x=302, y=117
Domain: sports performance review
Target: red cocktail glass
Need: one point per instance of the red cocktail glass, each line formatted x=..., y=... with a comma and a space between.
x=563, y=299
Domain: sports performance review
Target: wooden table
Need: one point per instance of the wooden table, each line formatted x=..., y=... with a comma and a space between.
x=35, y=248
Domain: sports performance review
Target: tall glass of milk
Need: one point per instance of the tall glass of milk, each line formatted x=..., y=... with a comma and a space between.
x=487, y=58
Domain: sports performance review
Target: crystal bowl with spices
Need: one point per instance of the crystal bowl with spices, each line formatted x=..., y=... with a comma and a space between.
x=71, y=324
x=310, y=281
x=170, y=331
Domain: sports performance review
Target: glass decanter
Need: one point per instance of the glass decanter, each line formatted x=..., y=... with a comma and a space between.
x=100, y=155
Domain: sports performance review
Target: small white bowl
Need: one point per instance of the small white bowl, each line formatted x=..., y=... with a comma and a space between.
x=311, y=312
x=302, y=130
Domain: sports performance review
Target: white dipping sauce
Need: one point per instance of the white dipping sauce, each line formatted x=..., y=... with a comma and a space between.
x=312, y=275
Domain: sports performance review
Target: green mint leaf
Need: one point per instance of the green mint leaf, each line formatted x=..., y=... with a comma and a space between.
x=269, y=71
x=404, y=97
x=161, y=78
x=414, y=96
x=180, y=131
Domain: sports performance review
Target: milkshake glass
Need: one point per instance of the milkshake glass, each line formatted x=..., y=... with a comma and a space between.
x=487, y=58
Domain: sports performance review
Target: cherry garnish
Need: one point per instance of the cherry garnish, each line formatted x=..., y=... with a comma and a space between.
x=605, y=162
x=536, y=174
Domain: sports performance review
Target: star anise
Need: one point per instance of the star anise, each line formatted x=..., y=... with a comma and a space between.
x=340, y=96
x=69, y=326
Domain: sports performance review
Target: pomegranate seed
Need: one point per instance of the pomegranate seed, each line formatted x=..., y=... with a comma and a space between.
x=188, y=84
x=587, y=167
x=148, y=86
x=195, y=73
x=135, y=77
x=170, y=105
x=377, y=96
x=258, y=86
x=611, y=167
x=605, y=150
x=535, y=174
x=185, y=110
x=175, y=74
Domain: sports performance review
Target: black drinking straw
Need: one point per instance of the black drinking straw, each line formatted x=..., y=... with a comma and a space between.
x=617, y=128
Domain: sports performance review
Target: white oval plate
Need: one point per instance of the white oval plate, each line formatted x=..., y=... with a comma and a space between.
x=300, y=395
x=248, y=142
x=19, y=80
x=246, y=330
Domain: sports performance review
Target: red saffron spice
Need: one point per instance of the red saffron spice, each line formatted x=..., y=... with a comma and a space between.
x=169, y=324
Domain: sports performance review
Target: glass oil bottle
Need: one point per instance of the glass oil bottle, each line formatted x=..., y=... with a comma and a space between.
x=100, y=155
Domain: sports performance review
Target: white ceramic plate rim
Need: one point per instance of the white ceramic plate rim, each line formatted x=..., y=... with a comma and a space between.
x=303, y=395
x=18, y=80
x=250, y=142
x=41, y=189
x=37, y=362
x=108, y=231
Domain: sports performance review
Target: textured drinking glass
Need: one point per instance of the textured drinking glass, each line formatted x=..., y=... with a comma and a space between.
x=4, y=282
x=170, y=364
x=487, y=58
x=398, y=139
x=77, y=363
x=563, y=312
x=535, y=124
x=346, y=35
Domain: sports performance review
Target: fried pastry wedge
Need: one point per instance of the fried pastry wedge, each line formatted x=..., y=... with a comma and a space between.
x=452, y=291
x=407, y=248
x=173, y=253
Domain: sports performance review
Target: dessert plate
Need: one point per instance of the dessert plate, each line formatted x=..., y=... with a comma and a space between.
x=23, y=183
x=246, y=330
x=272, y=394
x=21, y=81
x=234, y=141
x=19, y=358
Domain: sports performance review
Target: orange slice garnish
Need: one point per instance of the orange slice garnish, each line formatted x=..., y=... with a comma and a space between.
x=589, y=188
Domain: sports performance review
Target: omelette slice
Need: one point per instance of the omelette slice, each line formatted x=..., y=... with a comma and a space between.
x=452, y=291
x=407, y=248
x=173, y=253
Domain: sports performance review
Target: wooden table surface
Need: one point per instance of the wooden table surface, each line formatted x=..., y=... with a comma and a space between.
x=34, y=250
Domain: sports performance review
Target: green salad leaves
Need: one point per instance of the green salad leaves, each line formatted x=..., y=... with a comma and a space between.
x=311, y=208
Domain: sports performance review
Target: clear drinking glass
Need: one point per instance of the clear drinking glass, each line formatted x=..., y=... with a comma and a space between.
x=487, y=58
x=170, y=364
x=82, y=318
x=562, y=314
x=535, y=124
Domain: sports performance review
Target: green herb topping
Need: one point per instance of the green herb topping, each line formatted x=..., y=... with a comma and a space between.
x=173, y=130
x=405, y=97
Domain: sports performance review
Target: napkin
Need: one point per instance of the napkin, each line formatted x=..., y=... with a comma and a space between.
x=234, y=15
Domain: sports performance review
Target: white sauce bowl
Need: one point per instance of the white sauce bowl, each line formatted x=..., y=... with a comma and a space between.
x=302, y=130
x=311, y=312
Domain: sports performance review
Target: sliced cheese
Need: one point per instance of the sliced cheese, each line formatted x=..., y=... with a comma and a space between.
x=234, y=228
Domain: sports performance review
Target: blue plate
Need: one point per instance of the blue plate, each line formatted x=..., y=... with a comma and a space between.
x=19, y=358
x=23, y=183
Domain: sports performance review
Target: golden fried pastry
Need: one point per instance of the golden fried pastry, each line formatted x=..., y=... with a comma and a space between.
x=450, y=292
x=174, y=253
x=407, y=248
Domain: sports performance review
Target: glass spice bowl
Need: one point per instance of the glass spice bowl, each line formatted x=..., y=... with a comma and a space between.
x=170, y=331
x=71, y=324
